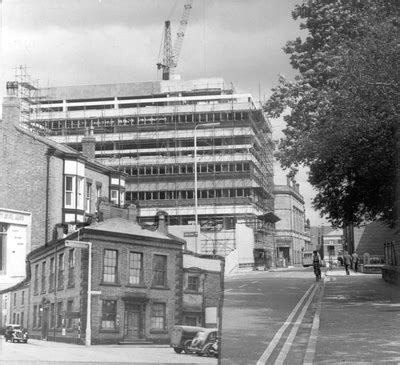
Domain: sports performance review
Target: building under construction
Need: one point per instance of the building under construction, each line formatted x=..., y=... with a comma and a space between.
x=157, y=133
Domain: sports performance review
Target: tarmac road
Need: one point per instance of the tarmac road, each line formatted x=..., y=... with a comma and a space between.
x=285, y=317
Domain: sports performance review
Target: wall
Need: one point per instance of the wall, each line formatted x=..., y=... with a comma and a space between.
x=245, y=245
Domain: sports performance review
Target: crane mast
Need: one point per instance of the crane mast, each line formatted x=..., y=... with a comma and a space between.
x=171, y=54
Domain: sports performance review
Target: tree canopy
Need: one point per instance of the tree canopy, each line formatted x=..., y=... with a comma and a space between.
x=343, y=107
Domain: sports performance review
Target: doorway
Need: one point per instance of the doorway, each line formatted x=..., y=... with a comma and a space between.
x=133, y=323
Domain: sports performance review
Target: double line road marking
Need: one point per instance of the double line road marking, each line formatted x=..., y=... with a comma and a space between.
x=289, y=341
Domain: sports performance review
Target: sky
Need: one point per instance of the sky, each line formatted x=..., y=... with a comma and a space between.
x=78, y=42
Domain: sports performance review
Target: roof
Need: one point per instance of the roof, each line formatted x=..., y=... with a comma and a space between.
x=124, y=226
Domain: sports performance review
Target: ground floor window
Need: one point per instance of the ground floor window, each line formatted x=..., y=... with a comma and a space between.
x=109, y=314
x=158, y=320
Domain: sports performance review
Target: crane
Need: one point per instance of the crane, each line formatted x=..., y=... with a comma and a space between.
x=171, y=55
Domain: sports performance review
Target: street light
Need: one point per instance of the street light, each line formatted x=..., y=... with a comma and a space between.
x=203, y=125
x=84, y=244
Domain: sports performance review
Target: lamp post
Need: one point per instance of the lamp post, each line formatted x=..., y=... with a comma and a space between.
x=203, y=125
x=84, y=244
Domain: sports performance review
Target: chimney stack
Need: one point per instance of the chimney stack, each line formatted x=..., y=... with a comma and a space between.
x=132, y=213
x=89, y=143
x=162, y=222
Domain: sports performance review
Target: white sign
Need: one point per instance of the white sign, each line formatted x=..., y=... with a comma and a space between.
x=76, y=244
x=95, y=292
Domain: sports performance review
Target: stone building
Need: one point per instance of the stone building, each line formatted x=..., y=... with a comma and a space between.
x=292, y=231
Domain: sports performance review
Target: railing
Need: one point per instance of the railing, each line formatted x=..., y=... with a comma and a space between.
x=392, y=253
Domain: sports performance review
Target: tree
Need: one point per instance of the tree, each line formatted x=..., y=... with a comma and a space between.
x=343, y=106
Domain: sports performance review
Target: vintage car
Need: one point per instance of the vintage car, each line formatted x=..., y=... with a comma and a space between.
x=15, y=333
x=181, y=337
x=205, y=342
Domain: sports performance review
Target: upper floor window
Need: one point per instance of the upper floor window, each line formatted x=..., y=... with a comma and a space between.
x=36, y=280
x=71, y=267
x=193, y=283
x=23, y=297
x=88, y=205
x=160, y=270
x=52, y=276
x=74, y=192
x=110, y=266
x=43, y=290
x=60, y=273
x=15, y=300
x=70, y=191
x=135, y=268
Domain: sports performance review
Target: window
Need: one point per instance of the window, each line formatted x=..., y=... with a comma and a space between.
x=40, y=311
x=36, y=281
x=70, y=191
x=71, y=268
x=98, y=194
x=34, y=316
x=22, y=319
x=52, y=319
x=114, y=196
x=43, y=278
x=158, y=316
x=80, y=192
x=110, y=266
x=69, y=310
x=60, y=274
x=135, y=268
x=88, y=204
x=15, y=300
x=23, y=298
x=59, y=314
x=159, y=270
x=193, y=283
x=51, y=278
x=108, y=314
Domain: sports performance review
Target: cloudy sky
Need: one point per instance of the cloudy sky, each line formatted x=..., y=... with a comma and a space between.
x=73, y=42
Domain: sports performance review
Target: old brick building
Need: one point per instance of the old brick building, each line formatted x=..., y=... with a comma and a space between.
x=44, y=185
x=136, y=281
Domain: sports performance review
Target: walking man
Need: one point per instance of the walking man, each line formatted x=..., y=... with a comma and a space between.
x=317, y=264
x=347, y=262
x=354, y=256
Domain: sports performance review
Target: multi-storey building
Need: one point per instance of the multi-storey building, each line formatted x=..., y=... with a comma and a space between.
x=292, y=231
x=156, y=133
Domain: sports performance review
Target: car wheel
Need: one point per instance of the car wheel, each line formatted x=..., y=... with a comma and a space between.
x=186, y=347
x=178, y=350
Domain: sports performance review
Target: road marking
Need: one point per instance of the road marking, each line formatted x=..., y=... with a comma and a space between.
x=254, y=282
x=312, y=342
x=242, y=286
x=278, y=335
x=289, y=341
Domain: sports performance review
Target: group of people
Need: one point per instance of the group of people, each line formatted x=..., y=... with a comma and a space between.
x=347, y=260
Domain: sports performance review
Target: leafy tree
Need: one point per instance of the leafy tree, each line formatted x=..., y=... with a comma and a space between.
x=343, y=106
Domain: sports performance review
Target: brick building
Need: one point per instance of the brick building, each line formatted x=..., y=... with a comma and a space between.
x=45, y=186
x=136, y=282
x=202, y=289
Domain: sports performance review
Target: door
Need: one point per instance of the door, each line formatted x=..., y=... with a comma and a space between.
x=133, y=324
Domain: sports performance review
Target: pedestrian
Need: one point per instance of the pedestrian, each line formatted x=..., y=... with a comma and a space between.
x=347, y=262
x=354, y=257
x=317, y=264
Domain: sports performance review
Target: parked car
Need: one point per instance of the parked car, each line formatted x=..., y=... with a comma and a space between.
x=205, y=342
x=15, y=333
x=181, y=338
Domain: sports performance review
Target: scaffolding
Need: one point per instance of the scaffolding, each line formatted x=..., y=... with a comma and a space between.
x=150, y=137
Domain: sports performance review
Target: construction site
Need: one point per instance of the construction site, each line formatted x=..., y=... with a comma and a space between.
x=195, y=149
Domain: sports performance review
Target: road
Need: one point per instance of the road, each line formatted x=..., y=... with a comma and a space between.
x=285, y=317
x=37, y=352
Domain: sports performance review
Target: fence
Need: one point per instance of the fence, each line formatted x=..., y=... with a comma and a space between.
x=392, y=253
